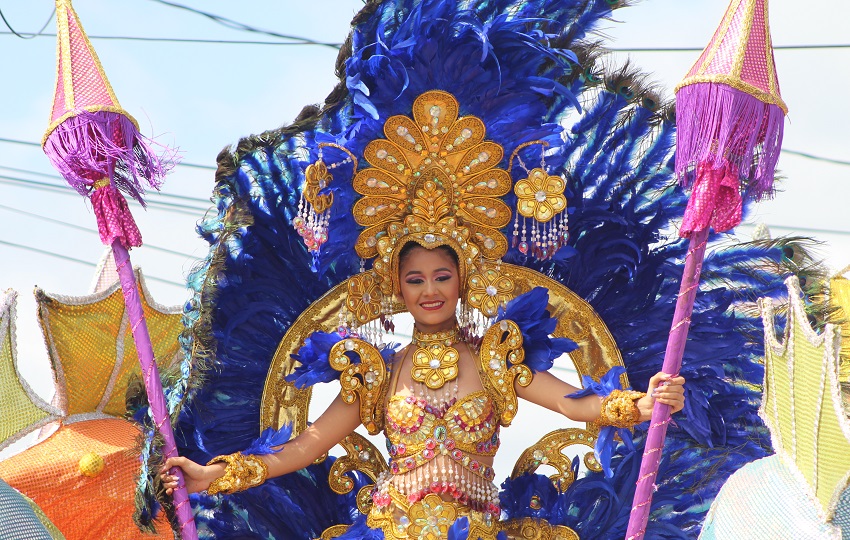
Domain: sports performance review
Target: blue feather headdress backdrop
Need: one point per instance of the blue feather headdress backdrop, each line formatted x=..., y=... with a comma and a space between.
x=529, y=70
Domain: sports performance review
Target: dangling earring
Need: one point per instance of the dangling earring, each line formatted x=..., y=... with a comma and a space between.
x=540, y=201
x=313, y=217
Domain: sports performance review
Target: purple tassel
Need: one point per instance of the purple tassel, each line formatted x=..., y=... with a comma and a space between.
x=86, y=146
x=719, y=125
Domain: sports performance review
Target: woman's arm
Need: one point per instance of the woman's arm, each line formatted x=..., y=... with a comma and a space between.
x=548, y=391
x=330, y=428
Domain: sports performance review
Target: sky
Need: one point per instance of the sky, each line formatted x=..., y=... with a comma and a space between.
x=202, y=97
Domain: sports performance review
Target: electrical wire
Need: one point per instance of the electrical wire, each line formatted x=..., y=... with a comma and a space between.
x=26, y=35
x=306, y=41
x=81, y=261
x=178, y=164
x=152, y=192
x=784, y=151
x=236, y=25
x=53, y=188
x=87, y=229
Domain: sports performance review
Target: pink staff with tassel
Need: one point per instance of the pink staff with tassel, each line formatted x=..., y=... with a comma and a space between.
x=729, y=118
x=97, y=147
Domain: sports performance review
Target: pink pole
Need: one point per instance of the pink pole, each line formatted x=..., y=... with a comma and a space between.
x=153, y=385
x=672, y=363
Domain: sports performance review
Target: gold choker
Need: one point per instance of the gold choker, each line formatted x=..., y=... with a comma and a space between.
x=444, y=338
x=435, y=360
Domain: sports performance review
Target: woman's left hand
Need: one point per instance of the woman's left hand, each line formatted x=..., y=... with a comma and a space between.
x=666, y=389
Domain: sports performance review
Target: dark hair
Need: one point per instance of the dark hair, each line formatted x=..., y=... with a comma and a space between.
x=410, y=246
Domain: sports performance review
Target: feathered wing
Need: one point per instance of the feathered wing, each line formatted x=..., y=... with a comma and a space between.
x=526, y=70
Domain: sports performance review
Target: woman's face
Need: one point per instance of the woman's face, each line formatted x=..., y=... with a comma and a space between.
x=430, y=287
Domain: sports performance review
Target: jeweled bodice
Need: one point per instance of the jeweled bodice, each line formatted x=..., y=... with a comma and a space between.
x=417, y=432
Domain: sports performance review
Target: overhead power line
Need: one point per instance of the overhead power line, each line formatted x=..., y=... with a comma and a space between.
x=86, y=229
x=81, y=261
x=152, y=192
x=236, y=25
x=26, y=35
x=53, y=188
x=305, y=41
x=33, y=143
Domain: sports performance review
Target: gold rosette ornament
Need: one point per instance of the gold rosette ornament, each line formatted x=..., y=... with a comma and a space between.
x=435, y=366
x=489, y=289
x=434, y=180
x=431, y=518
x=540, y=195
x=364, y=297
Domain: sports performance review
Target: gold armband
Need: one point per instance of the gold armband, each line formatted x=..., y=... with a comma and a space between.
x=242, y=472
x=619, y=409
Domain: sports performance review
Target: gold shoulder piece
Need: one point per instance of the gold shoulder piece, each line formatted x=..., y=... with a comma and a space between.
x=366, y=379
x=502, y=342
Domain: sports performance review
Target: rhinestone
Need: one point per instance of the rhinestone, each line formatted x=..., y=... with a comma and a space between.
x=372, y=182
x=494, y=363
x=430, y=238
x=381, y=153
x=540, y=196
x=435, y=110
x=367, y=298
x=503, y=326
x=491, y=290
x=491, y=213
x=483, y=157
x=349, y=345
x=364, y=455
x=371, y=241
x=466, y=133
x=489, y=243
x=370, y=211
x=401, y=130
x=434, y=363
x=492, y=183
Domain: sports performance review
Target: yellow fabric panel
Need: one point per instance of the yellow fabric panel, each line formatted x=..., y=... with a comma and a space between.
x=807, y=364
x=83, y=507
x=803, y=406
x=17, y=411
x=777, y=400
x=84, y=344
x=87, y=344
x=840, y=297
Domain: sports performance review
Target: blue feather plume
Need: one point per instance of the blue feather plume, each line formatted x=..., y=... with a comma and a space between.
x=529, y=312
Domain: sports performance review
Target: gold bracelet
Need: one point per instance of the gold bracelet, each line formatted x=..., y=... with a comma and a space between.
x=619, y=409
x=241, y=473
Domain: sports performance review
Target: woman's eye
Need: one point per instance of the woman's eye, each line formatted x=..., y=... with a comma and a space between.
x=414, y=281
x=443, y=278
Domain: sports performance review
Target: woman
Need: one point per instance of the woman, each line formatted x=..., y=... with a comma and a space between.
x=441, y=423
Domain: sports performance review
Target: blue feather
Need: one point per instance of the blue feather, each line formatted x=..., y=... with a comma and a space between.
x=268, y=439
x=529, y=312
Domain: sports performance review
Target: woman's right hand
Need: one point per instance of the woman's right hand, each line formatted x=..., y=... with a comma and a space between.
x=197, y=477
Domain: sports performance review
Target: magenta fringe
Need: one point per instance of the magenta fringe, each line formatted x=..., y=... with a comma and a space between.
x=718, y=126
x=91, y=146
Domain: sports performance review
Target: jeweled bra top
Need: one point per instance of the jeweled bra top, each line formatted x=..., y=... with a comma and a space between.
x=417, y=432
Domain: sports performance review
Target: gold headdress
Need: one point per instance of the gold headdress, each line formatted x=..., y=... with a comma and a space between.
x=434, y=180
